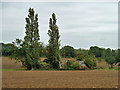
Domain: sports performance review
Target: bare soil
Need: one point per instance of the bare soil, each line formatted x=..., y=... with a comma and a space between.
x=7, y=63
x=59, y=79
x=56, y=79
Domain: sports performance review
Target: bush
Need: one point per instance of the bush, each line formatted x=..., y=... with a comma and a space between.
x=38, y=66
x=44, y=65
x=68, y=64
x=75, y=65
x=80, y=57
x=90, y=61
x=46, y=60
x=71, y=65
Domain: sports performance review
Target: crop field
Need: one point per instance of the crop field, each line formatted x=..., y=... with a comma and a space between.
x=56, y=79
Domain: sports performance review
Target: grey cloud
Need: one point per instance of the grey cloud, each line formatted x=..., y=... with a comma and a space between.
x=80, y=24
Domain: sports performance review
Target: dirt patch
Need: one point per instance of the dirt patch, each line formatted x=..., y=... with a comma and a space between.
x=60, y=79
x=7, y=63
x=103, y=64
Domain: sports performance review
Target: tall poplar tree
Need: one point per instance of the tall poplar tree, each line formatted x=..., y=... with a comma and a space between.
x=27, y=51
x=54, y=43
x=31, y=39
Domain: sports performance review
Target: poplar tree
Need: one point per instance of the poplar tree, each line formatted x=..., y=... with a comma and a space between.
x=31, y=44
x=54, y=43
x=27, y=51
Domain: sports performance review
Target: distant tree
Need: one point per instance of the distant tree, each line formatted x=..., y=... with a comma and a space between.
x=42, y=50
x=118, y=57
x=28, y=50
x=108, y=52
x=110, y=60
x=67, y=51
x=7, y=49
x=80, y=57
x=110, y=57
x=53, y=56
x=90, y=61
x=19, y=52
x=96, y=51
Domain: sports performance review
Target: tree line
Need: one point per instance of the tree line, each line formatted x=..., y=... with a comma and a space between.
x=109, y=55
x=29, y=50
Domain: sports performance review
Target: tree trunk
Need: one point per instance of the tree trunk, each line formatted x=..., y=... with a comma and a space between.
x=111, y=66
x=32, y=69
x=59, y=64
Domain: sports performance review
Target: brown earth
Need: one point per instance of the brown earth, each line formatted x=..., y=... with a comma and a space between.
x=60, y=79
x=56, y=79
x=102, y=64
x=7, y=63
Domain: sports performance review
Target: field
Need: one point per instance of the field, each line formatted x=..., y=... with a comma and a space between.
x=56, y=79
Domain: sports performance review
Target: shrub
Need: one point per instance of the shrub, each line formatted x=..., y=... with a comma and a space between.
x=110, y=60
x=44, y=65
x=46, y=60
x=90, y=61
x=75, y=65
x=71, y=65
x=80, y=57
x=38, y=66
x=68, y=64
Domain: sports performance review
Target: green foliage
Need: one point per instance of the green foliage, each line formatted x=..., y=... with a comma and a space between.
x=110, y=57
x=68, y=64
x=31, y=44
x=81, y=51
x=118, y=57
x=80, y=57
x=67, y=52
x=90, y=61
x=42, y=50
x=53, y=53
x=44, y=65
x=27, y=51
x=98, y=52
x=72, y=65
x=7, y=49
x=75, y=65
x=19, y=52
x=110, y=60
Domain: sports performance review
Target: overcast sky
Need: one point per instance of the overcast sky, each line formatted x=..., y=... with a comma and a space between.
x=81, y=24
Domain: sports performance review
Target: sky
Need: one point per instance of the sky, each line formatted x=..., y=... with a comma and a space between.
x=81, y=24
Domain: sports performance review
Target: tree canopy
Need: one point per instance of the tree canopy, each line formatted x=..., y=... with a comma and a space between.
x=53, y=53
x=67, y=52
x=27, y=51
